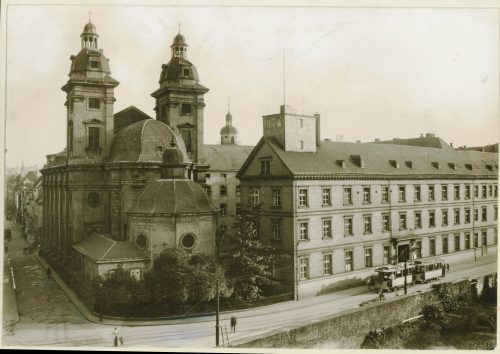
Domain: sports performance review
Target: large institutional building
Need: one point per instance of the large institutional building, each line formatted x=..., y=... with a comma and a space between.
x=126, y=186
x=344, y=208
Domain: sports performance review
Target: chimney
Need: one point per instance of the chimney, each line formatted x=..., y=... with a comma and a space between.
x=318, y=129
x=421, y=135
x=451, y=144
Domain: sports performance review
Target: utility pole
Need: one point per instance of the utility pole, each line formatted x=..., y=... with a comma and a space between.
x=217, y=315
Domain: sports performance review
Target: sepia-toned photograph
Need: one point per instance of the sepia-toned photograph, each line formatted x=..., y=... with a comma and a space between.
x=235, y=176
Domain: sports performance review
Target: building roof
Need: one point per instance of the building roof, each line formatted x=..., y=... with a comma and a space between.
x=172, y=196
x=228, y=129
x=486, y=148
x=429, y=140
x=359, y=159
x=144, y=141
x=224, y=157
x=179, y=40
x=56, y=159
x=89, y=28
x=80, y=62
x=101, y=248
x=128, y=116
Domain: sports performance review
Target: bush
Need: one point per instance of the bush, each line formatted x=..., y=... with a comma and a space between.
x=489, y=296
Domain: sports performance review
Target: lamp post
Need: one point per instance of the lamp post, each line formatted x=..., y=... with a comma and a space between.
x=406, y=260
x=217, y=314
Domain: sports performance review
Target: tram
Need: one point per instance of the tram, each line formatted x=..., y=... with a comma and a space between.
x=427, y=270
x=392, y=277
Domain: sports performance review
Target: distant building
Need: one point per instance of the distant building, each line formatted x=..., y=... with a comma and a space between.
x=344, y=208
x=429, y=140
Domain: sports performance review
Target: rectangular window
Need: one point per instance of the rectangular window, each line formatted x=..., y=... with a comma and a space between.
x=484, y=213
x=467, y=216
x=255, y=195
x=327, y=200
x=276, y=230
x=402, y=221
x=223, y=175
x=402, y=193
x=432, y=196
x=484, y=238
x=491, y=190
x=476, y=214
x=484, y=193
x=276, y=192
x=301, y=145
x=368, y=257
x=187, y=138
x=186, y=109
x=94, y=103
x=327, y=228
x=456, y=192
x=238, y=209
x=444, y=217
x=367, y=222
x=418, y=249
x=476, y=191
x=223, y=209
x=327, y=264
x=265, y=167
x=386, y=255
x=495, y=212
x=348, y=226
x=456, y=216
x=304, y=230
x=476, y=239
x=445, y=244
x=348, y=261
x=444, y=192
x=386, y=223
x=432, y=247
x=457, y=242
x=467, y=241
x=303, y=200
x=432, y=218
x=495, y=190
x=94, y=64
x=417, y=194
x=467, y=191
x=366, y=195
x=304, y=267
x=347, y=196
x=223, y=191
x=385, y=194
x=418, y=220
x=94, y=138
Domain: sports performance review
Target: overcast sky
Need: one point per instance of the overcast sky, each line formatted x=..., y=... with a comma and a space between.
x=370, y=73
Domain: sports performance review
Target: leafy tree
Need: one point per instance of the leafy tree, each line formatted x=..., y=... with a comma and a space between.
x=252, y=259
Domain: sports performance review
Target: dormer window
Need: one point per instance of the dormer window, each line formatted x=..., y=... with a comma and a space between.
x=94, y=103
x=452, y=165
x=94, y=64
x=394, y=163
x=185, y=72
x=410, y=164
x=489, y=167
x=468, y=166
x=341, y=163
x=436, y=165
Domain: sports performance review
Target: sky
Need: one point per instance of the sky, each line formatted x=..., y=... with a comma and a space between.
x=369, y=72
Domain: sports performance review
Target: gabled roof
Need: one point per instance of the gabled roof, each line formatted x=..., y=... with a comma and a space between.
x=360, y=159
x=101, y=248
x=128, y=116
x=224, y=157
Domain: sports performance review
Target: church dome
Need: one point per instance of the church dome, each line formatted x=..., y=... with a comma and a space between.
x=179, y=40
x=89, y=29
x=82, y=61
x=145, y=141
x=228, y=129
x=177, y=69
x=172, y=196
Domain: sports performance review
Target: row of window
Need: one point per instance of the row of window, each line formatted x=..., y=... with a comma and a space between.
x=469, y=243
x=386, y=222
x=222, y=190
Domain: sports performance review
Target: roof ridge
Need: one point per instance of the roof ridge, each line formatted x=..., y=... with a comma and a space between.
x=109, y=249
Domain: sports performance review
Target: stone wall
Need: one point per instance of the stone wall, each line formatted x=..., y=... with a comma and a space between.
x=352, y=325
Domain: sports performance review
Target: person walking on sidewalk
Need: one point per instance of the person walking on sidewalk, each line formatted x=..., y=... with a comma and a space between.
x=380, y=294
x=116, y=335
x=233, y=323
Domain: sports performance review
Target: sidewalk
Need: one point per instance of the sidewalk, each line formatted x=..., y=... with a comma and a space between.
x=10, y=313
x=273, y=308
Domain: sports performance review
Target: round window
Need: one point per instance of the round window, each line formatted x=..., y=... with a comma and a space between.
x=94, y=199
x=187, y=241
x=141, y=241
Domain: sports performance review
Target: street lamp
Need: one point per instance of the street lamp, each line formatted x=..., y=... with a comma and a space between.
x=408, y=254
x=217, y=314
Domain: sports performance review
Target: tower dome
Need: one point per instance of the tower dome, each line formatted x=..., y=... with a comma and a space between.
x=89, y=36
x=228, y=133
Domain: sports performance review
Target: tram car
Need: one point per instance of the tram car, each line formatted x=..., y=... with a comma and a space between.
x=428, y=270
x=392, y=277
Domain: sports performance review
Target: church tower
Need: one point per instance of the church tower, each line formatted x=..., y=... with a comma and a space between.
x=228, y=133
x=179, y=100
x=89, y=102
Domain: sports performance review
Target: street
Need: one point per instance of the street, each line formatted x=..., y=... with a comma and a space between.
x=49, y=318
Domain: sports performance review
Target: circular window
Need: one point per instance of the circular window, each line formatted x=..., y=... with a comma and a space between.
x=187, y=241
x=94, y=199
x=141, y=241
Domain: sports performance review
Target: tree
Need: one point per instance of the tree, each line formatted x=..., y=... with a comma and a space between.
x=252, y=259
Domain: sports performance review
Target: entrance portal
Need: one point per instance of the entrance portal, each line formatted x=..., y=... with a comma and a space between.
x=403, y=253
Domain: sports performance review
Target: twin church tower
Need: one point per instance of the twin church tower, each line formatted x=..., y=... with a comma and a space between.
x=179, y=102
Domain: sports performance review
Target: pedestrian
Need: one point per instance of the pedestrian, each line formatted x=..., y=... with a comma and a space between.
x=115, y=335
x=48, y=272
x=233, y=323
x=448, y=267
x=380, y=294
x=443, y=271
x=6, y=249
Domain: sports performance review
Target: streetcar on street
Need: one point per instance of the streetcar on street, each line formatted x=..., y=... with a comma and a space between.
x=392, y=277
x=428, y=270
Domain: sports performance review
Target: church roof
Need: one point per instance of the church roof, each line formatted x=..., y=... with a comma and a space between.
x=144, y=141
x=172, y=196
x=384, y=160
x=224, y=157
x=128, y=116
x=101, y=248
x=81, y=62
